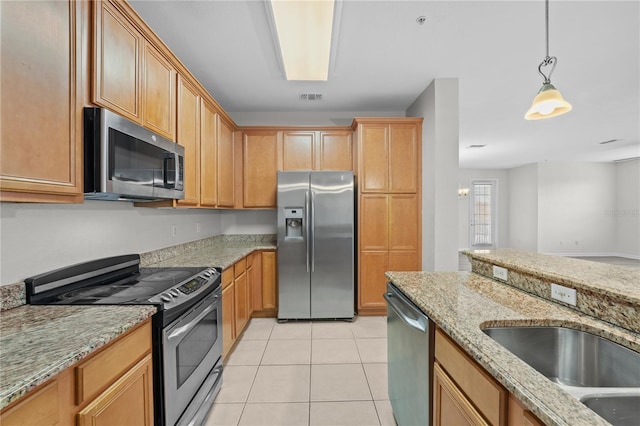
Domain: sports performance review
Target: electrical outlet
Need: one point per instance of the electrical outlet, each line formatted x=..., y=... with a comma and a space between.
x=174, y=230
x=500, y=273
x=563, y=294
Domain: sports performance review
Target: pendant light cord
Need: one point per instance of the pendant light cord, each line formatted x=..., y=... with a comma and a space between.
x=548, y=60
x=546, y=21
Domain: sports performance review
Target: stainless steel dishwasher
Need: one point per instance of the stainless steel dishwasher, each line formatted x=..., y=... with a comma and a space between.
x=410, y=359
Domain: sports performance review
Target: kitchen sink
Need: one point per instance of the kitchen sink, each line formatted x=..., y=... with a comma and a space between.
x=623, y=410
x=570, y=357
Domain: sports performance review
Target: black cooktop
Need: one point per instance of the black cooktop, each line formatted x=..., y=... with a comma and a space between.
x=137, y=288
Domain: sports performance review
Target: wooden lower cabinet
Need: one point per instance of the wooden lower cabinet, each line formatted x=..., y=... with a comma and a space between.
x=113, y=386
x=371, y=268
x=228, y=312
x=465, y=394
x=269, y=284
x=520, y=416
x=450, y=406
x=129, y=401
x=241, y=296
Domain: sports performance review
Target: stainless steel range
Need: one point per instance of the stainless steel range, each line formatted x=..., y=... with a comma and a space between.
x=187, y=329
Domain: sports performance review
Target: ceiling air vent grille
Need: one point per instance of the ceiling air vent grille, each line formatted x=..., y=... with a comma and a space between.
x=310, y=96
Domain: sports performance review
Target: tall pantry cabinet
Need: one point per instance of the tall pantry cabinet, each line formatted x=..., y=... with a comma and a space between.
x=389, y=204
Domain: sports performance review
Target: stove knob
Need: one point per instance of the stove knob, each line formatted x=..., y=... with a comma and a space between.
x=165, y=297
x=174, y=292
x=207, y=273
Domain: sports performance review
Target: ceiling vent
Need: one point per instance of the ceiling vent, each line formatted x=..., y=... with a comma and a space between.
x=310, y=96
x=610, y=141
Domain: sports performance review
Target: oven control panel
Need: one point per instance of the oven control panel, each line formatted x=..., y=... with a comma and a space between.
x=184, y=291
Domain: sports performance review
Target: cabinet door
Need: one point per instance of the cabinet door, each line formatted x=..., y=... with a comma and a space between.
x=41, y=76
x=519, y=415
x=450, y=406
x=129, y=401
x=256, y=282
x=50, y=405
x=334, y=150
x=260, y=150
x=297, y=150
x=269, y=281
x=374, y=219
x=404, y=261
x=372, y=266
x=117, y=49
x=159, y=93
x=403, y=158
x=208, y=155
x=404, y=222
x=228, y=319
x=241, y=302
x=374, y=152
x=226, y=165
x=189, y=137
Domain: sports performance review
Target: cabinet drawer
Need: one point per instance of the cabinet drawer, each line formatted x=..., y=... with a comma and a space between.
x=227, y=277
x=489, y=397
x=95, y=374
x=240, y=267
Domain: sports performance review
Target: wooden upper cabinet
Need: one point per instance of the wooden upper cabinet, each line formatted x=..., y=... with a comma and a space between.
x=260, y=165
x=189, y=137
x=159, y=93
x=403, y=158
x=117, y=62
x=226, y=164
x=130, y=76
x=389, y=155
x=208, y=155
x=334, y=150
x=41, y=74
x=373, y=152
x=298, y=150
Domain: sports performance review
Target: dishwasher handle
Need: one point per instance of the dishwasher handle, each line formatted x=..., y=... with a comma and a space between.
x=411, y=315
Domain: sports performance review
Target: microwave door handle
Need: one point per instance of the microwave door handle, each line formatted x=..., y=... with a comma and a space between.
x=165, y=171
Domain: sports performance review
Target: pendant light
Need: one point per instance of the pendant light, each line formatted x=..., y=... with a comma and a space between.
x=548, y=102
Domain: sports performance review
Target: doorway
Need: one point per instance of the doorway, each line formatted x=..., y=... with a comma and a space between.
x=483, y=217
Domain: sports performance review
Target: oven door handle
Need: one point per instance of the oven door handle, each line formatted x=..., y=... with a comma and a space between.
x=191, y=324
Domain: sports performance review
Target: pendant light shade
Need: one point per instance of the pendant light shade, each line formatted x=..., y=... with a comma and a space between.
x=548, y=102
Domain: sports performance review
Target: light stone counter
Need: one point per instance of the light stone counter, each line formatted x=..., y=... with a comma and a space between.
x=607, y=292
x=38, y=342
x=462, y=303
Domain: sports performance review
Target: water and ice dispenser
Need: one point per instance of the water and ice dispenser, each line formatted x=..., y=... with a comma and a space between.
x=293, y=222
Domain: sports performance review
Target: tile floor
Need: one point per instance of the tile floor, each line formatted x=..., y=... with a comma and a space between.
x=306, y=373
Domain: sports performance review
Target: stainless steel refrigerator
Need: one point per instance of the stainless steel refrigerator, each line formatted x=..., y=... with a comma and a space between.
x=315, y=245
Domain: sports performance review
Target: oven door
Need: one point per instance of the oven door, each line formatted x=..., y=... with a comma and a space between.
x=192, y=345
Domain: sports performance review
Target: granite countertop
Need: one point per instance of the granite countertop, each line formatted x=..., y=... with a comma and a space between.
x=462, y=303
x=222, y=255
x=610, y=280
x=38, y=342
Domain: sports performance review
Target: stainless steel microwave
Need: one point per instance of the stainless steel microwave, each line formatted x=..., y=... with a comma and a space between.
x=125, y=161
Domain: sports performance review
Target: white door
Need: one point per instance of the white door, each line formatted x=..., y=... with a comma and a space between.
x=483, y=196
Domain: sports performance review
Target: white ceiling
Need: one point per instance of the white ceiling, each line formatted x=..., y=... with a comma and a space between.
x=385, y=59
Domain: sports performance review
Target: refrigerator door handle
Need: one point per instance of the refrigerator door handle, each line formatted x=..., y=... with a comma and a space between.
x=313, y=234
x=306, y=220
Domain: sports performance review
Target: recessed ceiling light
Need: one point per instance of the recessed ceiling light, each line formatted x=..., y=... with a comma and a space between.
x=476, y=146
